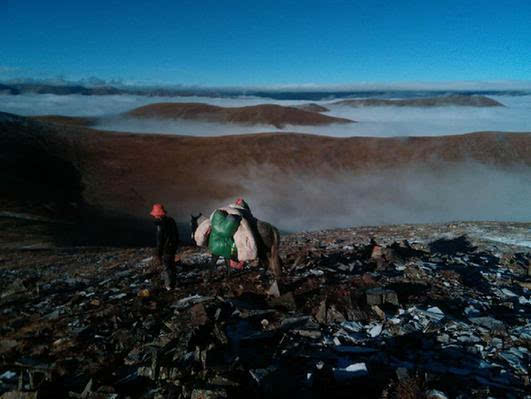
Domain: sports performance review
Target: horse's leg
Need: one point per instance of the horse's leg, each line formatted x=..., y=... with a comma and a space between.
x=213, y=263
x=263, y=264
x=227, y=265
x=275, y=263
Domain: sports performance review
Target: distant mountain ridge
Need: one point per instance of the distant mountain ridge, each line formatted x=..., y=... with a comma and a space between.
x=304, y=95
x=453, y=100
x=5, y=89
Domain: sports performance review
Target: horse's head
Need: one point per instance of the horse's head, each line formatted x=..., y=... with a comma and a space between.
x=193, y=224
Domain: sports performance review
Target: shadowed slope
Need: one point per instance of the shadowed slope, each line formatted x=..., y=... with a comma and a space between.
x=66, y=120
x=39, y=167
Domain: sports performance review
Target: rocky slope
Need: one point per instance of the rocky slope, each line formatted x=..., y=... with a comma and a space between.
x=444, y=314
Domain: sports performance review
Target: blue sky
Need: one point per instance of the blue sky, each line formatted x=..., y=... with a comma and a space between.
x=226, y=43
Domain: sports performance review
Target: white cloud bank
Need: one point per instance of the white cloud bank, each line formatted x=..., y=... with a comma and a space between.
x=413, y=195
x=465, y=191
x=372, y=121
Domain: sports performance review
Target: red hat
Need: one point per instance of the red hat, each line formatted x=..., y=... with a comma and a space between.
x=158, y=210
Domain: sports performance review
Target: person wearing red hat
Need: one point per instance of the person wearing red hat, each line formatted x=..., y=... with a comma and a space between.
x=167, y=241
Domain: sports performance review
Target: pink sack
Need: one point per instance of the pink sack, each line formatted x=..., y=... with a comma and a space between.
x=236, y=265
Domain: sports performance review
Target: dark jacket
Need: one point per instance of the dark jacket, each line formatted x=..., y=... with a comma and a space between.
x=167, y=236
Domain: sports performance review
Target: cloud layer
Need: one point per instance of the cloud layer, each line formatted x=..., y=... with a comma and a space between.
x=372, y=121
x=409, y=195
x=468, y=191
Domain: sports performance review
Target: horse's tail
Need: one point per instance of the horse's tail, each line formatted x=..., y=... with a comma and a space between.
x=275, y=263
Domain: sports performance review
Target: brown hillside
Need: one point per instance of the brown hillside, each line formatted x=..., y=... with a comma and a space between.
x=191, y=169
x=264, y=114
x=455, y=100
x=66, y=169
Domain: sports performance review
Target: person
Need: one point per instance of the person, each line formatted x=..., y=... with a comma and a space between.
x=167, y=241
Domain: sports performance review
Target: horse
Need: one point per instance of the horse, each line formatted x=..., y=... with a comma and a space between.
x=267, y=241
x=193, y=225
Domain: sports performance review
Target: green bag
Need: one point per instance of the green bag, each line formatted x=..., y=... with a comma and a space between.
x=221, y=242
x=225, y=224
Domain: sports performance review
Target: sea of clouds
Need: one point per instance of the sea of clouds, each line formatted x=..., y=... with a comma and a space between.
x=468, y=191
x=371, y=121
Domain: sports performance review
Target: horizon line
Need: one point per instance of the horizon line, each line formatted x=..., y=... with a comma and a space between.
x=457, y=85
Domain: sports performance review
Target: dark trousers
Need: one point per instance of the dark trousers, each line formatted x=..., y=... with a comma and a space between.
x=169, y=273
